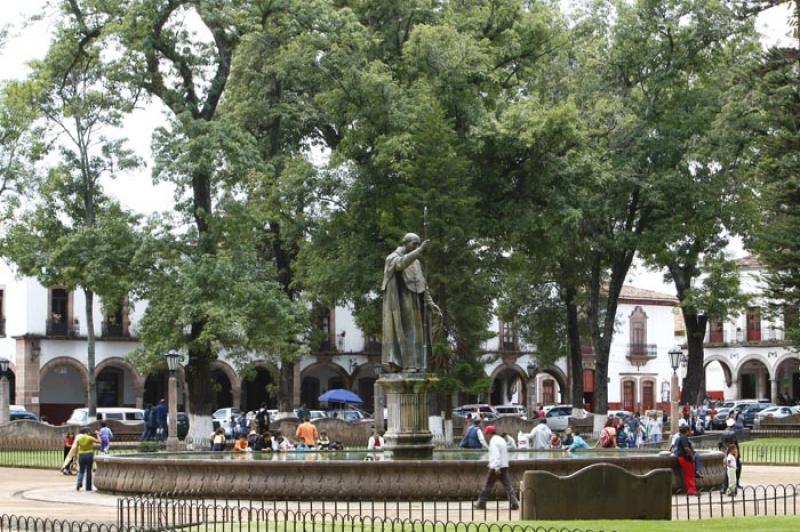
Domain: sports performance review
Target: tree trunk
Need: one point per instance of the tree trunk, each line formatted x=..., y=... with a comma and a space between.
x=91, y=399
x=695, y=332
x=198, y=376
x=574, y=346
x=286, y=386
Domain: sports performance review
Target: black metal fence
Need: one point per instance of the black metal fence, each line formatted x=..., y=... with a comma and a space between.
x=770, y=454
x=770, y=500
x=24, y=522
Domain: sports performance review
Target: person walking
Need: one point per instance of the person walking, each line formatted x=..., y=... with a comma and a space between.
x=105, y=437
x=729, y=439
x=655, y=429
x=498, y=470
x=161, y=419
x=148, y=414
x=85, y=450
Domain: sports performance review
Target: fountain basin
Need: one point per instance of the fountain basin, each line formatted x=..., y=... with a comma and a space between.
x=359, y=475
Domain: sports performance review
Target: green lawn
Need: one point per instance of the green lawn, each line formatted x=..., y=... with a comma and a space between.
x=41, y=459
x=772, y=442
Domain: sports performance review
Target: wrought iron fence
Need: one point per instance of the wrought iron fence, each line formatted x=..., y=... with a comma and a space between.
x=770, y=454
x=25, y=522
x=769, y=500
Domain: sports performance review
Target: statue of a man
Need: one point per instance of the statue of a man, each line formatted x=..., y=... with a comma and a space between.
x=405, y=296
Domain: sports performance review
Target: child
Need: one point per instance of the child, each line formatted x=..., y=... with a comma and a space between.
x=241, y=445
x=218, y=440
x=730, y=466
x=105, y=437
x=323, y=442
x=69, y=440
x=555, y=441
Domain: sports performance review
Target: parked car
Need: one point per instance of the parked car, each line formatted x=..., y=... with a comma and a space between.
x=17, y=414
x=775, y=412
x=351, y=415
x=718, y=421
x=128, y=416
x=222, y=418
x=511, y=410
x=558, y=417
x=485, y=410
x=750, y=412
x=313, y=414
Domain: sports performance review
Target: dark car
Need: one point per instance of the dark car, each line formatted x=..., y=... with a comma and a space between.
x=751, y=411
x=23, y=414
x=718, y=421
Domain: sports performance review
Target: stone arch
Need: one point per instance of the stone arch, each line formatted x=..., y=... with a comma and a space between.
x=320, y=377
x=500, y=389
x=783, y=358
x=229, y=372
x=757, y=358
x=559, y=376
x=121, y=363
x=727, y=367
x=65, y=361
x=253, y=390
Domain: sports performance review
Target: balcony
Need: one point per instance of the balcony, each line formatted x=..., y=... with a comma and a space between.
x=60, y=328
x=767, y=336
x=640, y=354
x=114, y=330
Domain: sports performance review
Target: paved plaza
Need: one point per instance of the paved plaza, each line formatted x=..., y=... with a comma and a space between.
x=46, y=493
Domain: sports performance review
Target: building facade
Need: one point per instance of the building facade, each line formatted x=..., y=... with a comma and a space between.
x=43, y=333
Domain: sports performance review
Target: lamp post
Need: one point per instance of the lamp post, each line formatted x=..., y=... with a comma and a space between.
x=172, y=431
x=5, y=415
x=533, y=370
x=675, y=355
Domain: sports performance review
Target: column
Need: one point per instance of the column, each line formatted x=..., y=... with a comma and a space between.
x=773, y=389
x=377, y=391
x=5, y=397
x=296, y=386
x=172, y=434
x=734, y=389
x=27, y=376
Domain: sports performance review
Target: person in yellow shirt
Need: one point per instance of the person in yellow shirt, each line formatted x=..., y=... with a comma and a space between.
x=85, y=443
x=307, y=433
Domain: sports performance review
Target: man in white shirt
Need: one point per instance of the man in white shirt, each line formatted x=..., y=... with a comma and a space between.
x=498, y=470
x=540, y=436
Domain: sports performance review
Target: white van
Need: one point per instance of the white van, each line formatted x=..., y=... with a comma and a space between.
x=511, y=410
x=128, y=416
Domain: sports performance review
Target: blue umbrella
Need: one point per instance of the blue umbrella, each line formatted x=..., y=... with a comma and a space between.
x=340, y=396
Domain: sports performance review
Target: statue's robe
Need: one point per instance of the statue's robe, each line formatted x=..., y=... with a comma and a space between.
x=404, y=295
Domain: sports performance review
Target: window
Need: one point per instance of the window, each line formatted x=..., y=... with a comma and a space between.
x=715, y=331
x=507, y=337
x=638, y=327
x=324, y=334
x=628, y=395
x=115, y=324
x=548, y=392
x=648, y=395
x=754, y=324
x=59, y=305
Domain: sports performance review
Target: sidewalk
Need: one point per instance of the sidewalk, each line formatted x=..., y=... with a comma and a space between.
x=48, y=493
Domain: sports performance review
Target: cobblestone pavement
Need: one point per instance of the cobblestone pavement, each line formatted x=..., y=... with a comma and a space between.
x=47, y=493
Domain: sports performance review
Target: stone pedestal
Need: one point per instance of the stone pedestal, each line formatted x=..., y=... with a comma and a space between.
x=407, y=434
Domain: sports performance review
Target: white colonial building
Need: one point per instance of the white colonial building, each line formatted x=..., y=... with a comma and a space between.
x=746, y=356
x=43, y=333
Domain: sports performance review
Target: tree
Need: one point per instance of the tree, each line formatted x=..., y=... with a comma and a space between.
x=71, y=234
x=772, y=109
x=181, y=52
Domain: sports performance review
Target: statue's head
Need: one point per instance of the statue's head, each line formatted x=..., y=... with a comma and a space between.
x=411, y=241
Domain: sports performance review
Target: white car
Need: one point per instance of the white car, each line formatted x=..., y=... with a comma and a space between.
x=128, y=416
x=557, y=418
x=511, y=410
x=775, y=412
x=222, y=418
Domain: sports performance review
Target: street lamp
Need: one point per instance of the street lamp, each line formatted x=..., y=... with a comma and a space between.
x=675, y=355
x=172, y=431
x=5, y=414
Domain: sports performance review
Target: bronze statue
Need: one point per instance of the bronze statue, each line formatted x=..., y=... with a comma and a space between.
x=406, y=298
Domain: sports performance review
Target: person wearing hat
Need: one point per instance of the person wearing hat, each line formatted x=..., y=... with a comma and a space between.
x=498, y=470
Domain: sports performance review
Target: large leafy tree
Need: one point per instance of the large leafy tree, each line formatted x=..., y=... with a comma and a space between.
x=71, y=234
x=208, y=291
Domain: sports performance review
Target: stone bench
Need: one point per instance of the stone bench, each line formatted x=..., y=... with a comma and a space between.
x=599, y=491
